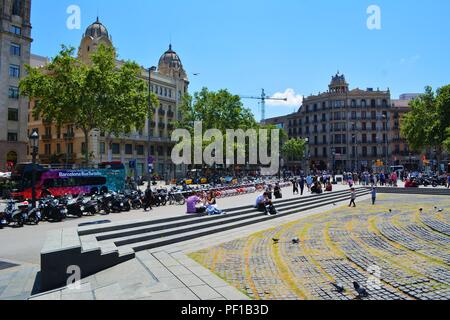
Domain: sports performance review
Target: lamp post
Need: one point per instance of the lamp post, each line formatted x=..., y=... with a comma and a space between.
x=306, y=155
x=34, y=139
x=386, y=141
x=149, y=122
x=334, y=160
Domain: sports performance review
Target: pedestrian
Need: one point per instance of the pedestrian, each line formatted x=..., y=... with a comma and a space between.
x=309, y=182
x=148, y=198
x=353, y=198
x=295, y=186
x=448, y=180
x=374, y=195
x=301, y=184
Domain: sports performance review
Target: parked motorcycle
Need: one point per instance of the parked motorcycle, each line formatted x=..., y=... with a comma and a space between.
x=73, y=206
x=15, y=214
x=52, y=209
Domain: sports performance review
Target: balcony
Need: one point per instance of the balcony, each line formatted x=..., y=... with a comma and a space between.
x=161, y=112
x=69, y=136
x=161, y=125
x=47, y=137
x=171, y=114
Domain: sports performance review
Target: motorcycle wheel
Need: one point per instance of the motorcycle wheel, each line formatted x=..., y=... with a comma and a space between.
x=34, y=220
x=181, y=201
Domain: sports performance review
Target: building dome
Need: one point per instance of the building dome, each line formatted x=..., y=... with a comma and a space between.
x=96, y=30
x=170, y=60
x=338, y=84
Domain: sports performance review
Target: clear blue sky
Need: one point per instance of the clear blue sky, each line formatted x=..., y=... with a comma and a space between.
x=246, y=45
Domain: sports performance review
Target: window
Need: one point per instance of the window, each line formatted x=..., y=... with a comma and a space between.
x=17, y=8
x=83, y=148
x=13, y=93
x=14, y=71
x=58, y=148
x=48, y=149
x=12, y=137
x=102, y=148
x=13, y=114
x=15, y=49
x=16, y=30
x=128, y=149
x=140, y=150
x=115, y=147
x=70, y=148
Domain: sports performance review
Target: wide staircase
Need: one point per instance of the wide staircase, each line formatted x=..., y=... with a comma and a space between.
x=99, y=247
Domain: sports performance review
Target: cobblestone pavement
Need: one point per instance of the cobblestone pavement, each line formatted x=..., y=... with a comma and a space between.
x=408, y=250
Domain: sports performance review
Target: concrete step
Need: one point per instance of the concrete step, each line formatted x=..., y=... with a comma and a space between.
x=151, y=241
x=110, y=229
x=139, y=234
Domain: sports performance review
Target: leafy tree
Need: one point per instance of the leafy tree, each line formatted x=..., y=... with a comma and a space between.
x=294, y=149
x=219, y=110
x=426, y=125
x=96, y=95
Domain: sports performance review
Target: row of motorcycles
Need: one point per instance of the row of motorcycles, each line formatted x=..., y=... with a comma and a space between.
x=427, y=181
x=58, y=209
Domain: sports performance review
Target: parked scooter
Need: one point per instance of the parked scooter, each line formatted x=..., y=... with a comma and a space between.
x=73, y=206
x=52, y=209
x=15, y=215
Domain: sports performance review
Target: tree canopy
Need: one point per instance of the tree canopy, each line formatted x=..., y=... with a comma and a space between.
x=96, y=95
x=294, y=149
x=427, y=124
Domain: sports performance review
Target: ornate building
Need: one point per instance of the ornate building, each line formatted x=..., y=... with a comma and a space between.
x=15, y=44
x=168, y=81
x=349, y=129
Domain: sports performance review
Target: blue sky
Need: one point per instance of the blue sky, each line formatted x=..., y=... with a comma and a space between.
x=246, y=45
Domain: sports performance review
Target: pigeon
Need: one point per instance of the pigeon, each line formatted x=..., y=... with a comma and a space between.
x=441, y=210
x=339, y=287
x=421, y=210
x=295, y=241
x=275, y=241
x=334, y=204
x=362, y=292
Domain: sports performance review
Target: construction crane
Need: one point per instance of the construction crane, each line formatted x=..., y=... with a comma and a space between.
x=263, y=100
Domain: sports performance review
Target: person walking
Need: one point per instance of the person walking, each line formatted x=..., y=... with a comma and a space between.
x=374, y=195
x=301, y=184
x=295, y=186
x=148, y=198
x=309, y=182
x=353, y=198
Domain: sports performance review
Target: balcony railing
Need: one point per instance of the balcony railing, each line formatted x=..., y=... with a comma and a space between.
x=68, y=136
x=47, y=137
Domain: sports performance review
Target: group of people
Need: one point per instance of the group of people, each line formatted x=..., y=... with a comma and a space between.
x=314, y=185
x=201, y=203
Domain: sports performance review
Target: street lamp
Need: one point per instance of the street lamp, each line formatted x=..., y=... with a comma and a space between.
x=307, y=154
x=149, y=140
x=387, y=141
x=34, y=139
x=354, y=138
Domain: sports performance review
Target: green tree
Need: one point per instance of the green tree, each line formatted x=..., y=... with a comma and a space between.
x=294, y=149
x=219, y=110
x=97, y=95
x=426, y=125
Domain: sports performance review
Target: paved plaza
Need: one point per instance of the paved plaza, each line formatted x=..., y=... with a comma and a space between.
x=407, y=247
x=337, y=244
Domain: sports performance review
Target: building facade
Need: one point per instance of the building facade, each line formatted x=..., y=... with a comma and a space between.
x=349, y=129
x=152, y=145
x=15, y=44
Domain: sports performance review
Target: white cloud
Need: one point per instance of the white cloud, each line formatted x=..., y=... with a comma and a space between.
x=410, y=60
x=293, y=99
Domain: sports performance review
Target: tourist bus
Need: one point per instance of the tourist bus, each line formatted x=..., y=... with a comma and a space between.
x=107, y=177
